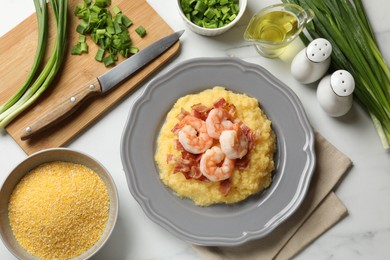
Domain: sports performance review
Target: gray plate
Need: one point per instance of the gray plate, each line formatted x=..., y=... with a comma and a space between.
x=222, y=225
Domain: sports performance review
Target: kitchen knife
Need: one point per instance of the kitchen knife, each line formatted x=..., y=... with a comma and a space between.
x=100, y=85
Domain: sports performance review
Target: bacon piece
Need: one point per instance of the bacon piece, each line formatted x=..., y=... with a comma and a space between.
x=242, y=164
x=183, y=113
x=251, y=140
x=170, y=158
x=188, y=156
x=245, y=129
x=231, y=110
x=200, y=111
x=225, y=186
x=195, y=172
x=176, y=128
x=203, y=178
x=201, y=115
x=179, y=146
x=200, y=108
x=197, y=114
x=249, y=134
x=221, y=103
x=186, y=175
x=181, y=167
x=188, y=164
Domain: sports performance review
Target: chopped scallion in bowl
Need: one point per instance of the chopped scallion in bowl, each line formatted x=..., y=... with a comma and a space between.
x=211, y=17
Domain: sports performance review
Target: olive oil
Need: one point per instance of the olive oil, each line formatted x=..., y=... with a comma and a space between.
x=275, y=26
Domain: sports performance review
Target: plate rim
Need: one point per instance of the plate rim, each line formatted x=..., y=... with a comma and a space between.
x=305, y=177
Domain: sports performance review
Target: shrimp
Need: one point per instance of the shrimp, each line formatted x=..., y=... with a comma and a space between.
x=233, y=143
x=193, y=135
x=215, y=166
x=217, y=121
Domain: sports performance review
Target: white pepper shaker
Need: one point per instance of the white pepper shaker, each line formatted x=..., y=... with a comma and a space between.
x=334, y=93
x=312, y=63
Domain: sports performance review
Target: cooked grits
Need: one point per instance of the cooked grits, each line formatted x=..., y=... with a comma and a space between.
x=256, y=177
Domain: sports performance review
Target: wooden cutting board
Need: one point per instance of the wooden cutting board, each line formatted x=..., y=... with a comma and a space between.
x=17, y=50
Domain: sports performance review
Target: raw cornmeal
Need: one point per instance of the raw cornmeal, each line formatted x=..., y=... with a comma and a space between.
x=59, y=210
x=244, y=182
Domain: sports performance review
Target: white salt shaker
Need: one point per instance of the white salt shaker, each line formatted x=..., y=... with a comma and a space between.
x=334, y=93
x=312, y=63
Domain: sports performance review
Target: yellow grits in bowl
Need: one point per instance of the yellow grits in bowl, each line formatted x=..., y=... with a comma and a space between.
x=256, y=176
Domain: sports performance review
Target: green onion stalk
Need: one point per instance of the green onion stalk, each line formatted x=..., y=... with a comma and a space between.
x=36, y=84
x=41, y=13
x=346, y=26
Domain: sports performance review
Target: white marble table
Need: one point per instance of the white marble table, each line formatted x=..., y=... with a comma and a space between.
x=364, y=234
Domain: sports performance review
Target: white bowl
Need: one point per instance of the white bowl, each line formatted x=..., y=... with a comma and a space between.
x=212, y=31
x=50, y=155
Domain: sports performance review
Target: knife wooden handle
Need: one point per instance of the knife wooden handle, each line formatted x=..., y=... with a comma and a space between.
x=63, y=109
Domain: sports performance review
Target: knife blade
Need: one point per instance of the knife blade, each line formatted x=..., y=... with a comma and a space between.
x=100, y=85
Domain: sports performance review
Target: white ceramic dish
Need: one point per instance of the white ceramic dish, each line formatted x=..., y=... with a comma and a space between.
x=214, y=31
x=223, y=225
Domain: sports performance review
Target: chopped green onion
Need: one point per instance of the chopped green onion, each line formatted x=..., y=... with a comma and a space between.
x=225, y=9
x=103, y=3
x=355, y=51
x=118, y=18
x=210, y=13
x=82, y=27
x=232, y=17
x=96, y=9
x=140, y=31
x=108, y=31
x=109, y=60
x=116, y=10
x=224, y=2
x=117, y=28
x=83, y=47
x=212, y=2
x=76, y=49
x=80, y=8
x=100, y=32
x=82, y=38
x=126, y=21
x=133, y=50
x=99, y=54
x=200, y=6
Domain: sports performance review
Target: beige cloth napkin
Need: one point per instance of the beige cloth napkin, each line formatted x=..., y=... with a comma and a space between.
x=320, y=210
